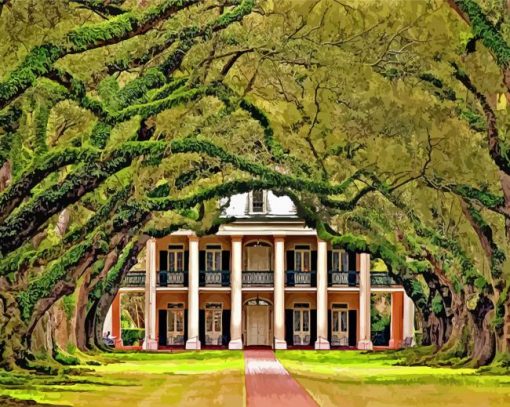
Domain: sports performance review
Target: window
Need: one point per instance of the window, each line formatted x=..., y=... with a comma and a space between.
x=258, y=201
x=175, y=319
x=340, y=316
x=302, y=259
x=175, y=258
x=301, y=324
x=213, y=258
x=213, y=312
x=340, y=260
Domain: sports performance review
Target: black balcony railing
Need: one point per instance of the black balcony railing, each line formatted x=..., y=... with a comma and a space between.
x=343, y=278
x=172, y=278
x=258, y=278
x=301, y=278
x=134, y=279
x=381, y=279
x=219, y=278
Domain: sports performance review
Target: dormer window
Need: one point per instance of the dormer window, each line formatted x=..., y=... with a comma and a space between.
x=258, y=201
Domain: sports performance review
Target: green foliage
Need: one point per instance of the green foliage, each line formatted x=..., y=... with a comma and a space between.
x=486, y=31
x=132, y=336
x=64, y=358
x=437, y=304
x=69, y=305
x=37, y=63
x=43, y=285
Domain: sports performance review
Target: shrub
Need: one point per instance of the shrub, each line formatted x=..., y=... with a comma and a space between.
x=132, y=336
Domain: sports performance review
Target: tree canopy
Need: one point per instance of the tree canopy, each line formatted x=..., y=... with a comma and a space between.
x=385, y=122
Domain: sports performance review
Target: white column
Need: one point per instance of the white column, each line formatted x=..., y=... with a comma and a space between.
x=322, y=295
x=193, y=300
x=365, y=341
x=150, y=342
x=279, y=293
x=107, y=324
x=236, y=312
x=409, y=320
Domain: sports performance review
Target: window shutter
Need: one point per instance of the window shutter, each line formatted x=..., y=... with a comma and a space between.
x=352, y=327
x=313, y=260
x=162, y=328
x=289, y=326
x=329, y=325
x=163, y=260
x=290, y=259
x=313, y=326
x=225, y=260
x=330, y=260
x=163, y=278
x=186, y=325
x=225, y=329
x=201, y=260
x=186, y=261
x=201, y=326
x=345, y=261
x=352, y=261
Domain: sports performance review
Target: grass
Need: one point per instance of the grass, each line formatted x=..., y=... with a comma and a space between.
x=216, y=378
x=131, y=379
x=374, y=379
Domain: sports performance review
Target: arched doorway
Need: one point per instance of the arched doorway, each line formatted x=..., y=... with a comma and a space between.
x=258, y=317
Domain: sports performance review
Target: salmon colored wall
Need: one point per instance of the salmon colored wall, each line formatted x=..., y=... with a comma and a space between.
x=162, y=244
x=223, y=240
x=397, y=318
x=163, y=298
x=291, y=298
x=291, y=241
x=223, y=298
x=250, y=295
x=352, y=301
x=116, y=321
x=254, y=238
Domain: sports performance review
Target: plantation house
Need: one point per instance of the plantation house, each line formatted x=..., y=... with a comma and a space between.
x=263, y=280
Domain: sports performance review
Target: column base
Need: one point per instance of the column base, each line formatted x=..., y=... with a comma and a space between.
x=409, y=342
x=395, y=344
x=235, y=344
x=365, y=344
x=193, y=344
x=322, y=344
x=280, y=344
x=150, y=344
x=118, y=343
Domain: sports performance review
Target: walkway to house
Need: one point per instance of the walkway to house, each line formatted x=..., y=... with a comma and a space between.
x=269, y=384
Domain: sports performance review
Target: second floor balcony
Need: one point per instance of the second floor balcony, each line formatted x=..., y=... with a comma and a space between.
x=214, y=278
x=258, y=278
x=134, y=279
x=222, y=278
x=343, y=278
x=172, y=278
x=295, y=278
x=381, y=279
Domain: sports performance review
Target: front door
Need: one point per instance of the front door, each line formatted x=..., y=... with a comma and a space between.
x=340, y=325
x=213, y=324
x=301, y=324
x=257, y=329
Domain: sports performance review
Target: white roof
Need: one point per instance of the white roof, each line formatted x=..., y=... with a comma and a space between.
x=239, y=206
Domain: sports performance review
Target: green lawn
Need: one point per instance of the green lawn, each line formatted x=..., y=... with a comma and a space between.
x=353, y=379
x=216, y=378
x=207, y=378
